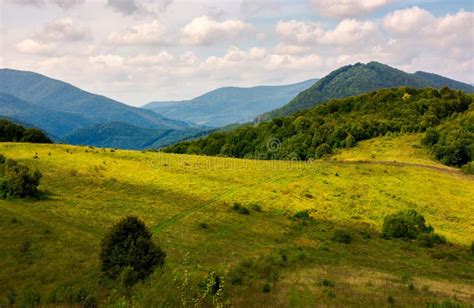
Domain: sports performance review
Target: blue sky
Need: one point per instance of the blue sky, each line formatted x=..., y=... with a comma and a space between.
x=137, y=51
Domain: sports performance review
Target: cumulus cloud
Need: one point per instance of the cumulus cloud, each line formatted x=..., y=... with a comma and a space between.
x=347, y=32
x=147, y=33
x=347, y=8
x=298, y=32
x=64, y=29
x=149, y=7
x=30, y=46
x=65, y=4
x=451, y=30
x=206, y=30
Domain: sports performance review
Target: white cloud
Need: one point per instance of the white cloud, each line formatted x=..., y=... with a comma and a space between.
x=347, y=32
x=347, y=8
x=298, y=32
x=65, y=4
x=113, y=61
x=448, y=31
x=146, y=7
x=64, y=29
x=147, y=33
x=350, y=31
x=30, y=46
x=206, y=30
x=163, y=58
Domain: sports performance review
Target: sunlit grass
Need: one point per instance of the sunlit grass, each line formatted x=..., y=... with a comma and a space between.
x=89, y=189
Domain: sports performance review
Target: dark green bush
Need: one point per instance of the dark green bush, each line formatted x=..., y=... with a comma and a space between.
x=327, y=283
x=342, y=236
x=17, y=180
x=302, y=215
x=404, y=224
x=256, y=207
x=241, y=209
x=127, y=246
x=430, y=240
x=266, y=288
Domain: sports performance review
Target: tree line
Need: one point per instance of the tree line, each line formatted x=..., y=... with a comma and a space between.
x=11, y=132
x=341, y=123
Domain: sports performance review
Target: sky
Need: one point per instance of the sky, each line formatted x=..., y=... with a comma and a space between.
x=137, y=51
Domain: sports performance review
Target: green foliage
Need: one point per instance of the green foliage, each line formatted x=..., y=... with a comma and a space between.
x=336, y=124
x=128, y=252
x=404, y=224
x=302, y=216
x=453, y=142
x=11, y=132
x=361, y=78
x=17, y=180
x=472, y=248
x=241, y=209
x=256, y=207
x=342, y=236
x=430, y=240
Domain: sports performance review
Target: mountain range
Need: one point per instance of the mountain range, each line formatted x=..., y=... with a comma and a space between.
x=358, y=79
x=69, y=114
x=66, y=113
x=229, y=105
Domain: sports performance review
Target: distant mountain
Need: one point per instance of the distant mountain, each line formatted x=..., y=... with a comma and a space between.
x=56, y=96
x=70, y=114
x=128, y=136
x=358, y=79
x=57, y=123
x=229, y=105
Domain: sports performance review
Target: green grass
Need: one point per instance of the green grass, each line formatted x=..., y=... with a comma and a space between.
x=88, y=190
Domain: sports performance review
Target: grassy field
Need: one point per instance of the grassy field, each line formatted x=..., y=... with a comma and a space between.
x=49, y=248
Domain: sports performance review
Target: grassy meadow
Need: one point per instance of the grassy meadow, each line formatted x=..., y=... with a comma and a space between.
x=49, y=248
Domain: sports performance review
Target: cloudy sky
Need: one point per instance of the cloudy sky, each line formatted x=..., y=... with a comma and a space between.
x=137, y=51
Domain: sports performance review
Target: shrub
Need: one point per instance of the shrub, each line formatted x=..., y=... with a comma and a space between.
x=241, y=209
x=17, y=180
x=256, y=207
x=342, y=236
x=404, y=224
x=390, y=299
x=302, y=215
x=472, y=248
x=430, y=240
x=266, y=288
x=128, y=247
x=327, y=283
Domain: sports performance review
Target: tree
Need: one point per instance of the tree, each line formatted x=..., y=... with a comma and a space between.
x=129, y=247
x=404, y=224
x=34, y=135
x=17, y=180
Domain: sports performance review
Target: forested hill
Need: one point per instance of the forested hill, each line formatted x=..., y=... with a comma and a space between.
x=358, y=79
x=341, y=123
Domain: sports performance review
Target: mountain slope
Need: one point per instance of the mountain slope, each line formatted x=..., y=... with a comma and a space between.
x=128, y=136
x=229, y=105
x=59, y=96
x=361, y=78
x=57, y=123
x=316, y=132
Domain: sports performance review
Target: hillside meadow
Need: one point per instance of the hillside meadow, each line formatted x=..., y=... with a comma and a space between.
x=49, y=248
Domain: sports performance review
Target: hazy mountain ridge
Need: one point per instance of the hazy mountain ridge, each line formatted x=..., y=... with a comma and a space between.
x=128, y=136
x=360, y=78
x=59, y=96
x=70, y=114
x=229, y=105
